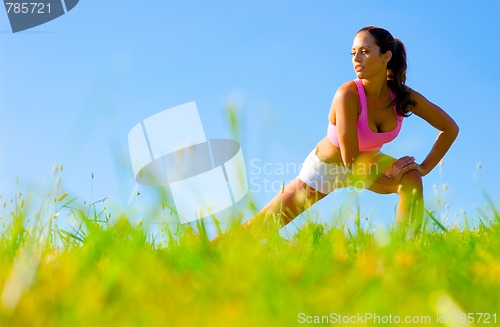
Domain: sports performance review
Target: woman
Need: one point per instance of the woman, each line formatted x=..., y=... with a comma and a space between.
x=365, y=114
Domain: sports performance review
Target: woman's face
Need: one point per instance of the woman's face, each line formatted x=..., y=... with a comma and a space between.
x=366, y=57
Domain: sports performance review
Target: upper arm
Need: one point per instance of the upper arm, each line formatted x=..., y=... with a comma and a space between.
x=344, y=114
x=433, y=114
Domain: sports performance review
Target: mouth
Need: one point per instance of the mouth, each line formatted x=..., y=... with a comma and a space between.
x=358, y=68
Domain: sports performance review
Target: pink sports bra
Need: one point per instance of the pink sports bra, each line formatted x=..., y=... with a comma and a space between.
x=368, y=140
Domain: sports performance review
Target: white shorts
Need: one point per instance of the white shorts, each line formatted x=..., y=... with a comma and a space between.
x=322, y=176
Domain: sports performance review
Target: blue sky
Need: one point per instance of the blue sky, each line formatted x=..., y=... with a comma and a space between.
x=71, y=89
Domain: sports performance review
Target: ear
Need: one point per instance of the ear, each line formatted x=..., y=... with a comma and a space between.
x=387, y=56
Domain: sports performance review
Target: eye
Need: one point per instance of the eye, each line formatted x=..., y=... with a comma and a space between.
x=353, y=53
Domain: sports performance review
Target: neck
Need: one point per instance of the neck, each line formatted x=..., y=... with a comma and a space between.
x=375, y=86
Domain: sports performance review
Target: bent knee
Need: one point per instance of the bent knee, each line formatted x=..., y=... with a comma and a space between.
x=413, y=175
x=412, y=180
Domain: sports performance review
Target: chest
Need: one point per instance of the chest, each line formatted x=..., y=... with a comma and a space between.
x=381, y=118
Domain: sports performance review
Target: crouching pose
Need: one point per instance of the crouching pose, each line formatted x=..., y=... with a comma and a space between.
x=365, y=114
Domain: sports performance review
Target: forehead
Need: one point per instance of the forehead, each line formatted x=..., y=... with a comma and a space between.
x=363, y=39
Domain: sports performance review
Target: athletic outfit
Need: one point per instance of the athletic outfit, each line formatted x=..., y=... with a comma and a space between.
x=325, y=177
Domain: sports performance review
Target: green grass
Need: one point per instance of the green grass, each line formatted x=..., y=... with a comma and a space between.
x=108, y=274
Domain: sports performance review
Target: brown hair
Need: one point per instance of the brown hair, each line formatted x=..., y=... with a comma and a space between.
x=396, y=67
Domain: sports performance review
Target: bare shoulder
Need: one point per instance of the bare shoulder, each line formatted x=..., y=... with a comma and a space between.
x=345, y=102
x=346, y=96
x=432, y=113
x=417, y=97
x=422, y=104
x=347, y=92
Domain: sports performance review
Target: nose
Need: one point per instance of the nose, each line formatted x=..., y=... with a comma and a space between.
x=356, y=57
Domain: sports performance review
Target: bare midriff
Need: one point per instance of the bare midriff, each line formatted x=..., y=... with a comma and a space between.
x=329, y=153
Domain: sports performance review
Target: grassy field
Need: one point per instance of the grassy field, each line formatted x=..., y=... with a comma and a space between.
x=109, y=274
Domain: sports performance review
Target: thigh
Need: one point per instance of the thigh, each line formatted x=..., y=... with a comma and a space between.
x=378, y=166
x=380, y=163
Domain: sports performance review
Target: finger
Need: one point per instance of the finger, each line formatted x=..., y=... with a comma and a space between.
x=411, y=166
x=406, y=160
x=403, y=162
x=404, y=169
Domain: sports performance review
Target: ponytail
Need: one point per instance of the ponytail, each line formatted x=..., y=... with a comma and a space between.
x=396, y=68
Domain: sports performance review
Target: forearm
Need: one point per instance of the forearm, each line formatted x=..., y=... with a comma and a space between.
x=441, y=146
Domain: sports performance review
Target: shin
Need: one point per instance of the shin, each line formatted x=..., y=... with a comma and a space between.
x=411, y=202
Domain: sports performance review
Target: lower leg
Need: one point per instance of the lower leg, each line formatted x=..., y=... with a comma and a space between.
x=294, y=199
x=411, y=203
x=286, y=206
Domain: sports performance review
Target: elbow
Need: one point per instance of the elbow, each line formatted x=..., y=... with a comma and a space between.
x=454, y=130
x=360, y=159
x=451, y=130
x=349, y=160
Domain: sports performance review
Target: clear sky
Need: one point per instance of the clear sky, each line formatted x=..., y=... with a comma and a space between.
x=71, y=89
